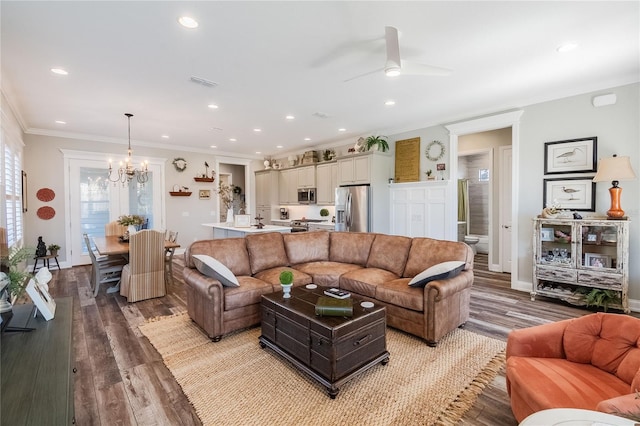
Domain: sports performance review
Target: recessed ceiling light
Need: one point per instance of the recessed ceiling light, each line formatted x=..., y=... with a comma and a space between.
x=566, y=47
x=279, y=146
x=392, y=71
x=307, y=139
x=290, y=117
x=59, y=71
x=258, y=152
x=232, y=139
x=213, y=106
x=257, y=130
x=165, y=136
x=390, y=103
x=188, y=22
x=342, y=129
x=60, y=122
x=213, y=146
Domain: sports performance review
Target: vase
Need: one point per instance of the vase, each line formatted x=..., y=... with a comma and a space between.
x=230, y=216
x=286, y=290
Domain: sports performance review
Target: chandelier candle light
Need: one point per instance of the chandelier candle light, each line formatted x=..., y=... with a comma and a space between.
x=126, y=172
x=615, y=169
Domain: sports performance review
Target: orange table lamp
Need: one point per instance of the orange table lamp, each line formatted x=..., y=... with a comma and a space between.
x=614, y=169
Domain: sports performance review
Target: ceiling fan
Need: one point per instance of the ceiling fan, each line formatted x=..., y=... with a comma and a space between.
x=394, y=66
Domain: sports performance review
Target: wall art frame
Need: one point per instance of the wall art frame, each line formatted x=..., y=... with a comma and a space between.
x=204, y=194
x=571, y=156
x=574, y=193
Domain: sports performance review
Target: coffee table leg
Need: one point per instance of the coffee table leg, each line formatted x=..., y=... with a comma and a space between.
x=333, y=392
x=385, y=361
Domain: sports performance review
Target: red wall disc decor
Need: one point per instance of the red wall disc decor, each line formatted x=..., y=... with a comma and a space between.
x=46, y=213
x=45, y=194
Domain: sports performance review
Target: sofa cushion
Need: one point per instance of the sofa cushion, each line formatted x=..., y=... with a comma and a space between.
x=249, y=292
x=389, y=252
x=326, y=274
x=397, y=292
x=210, y=267
x=266, y=251
x=350, y=247
x=231, y=252
x=541, y=383
x=609, y=342
x=303, y=247
x=426, y=252
x=364, y=281
x=272, y=276
x=441, y=271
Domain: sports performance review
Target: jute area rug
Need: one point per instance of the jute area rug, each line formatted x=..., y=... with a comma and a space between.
x=235, y=382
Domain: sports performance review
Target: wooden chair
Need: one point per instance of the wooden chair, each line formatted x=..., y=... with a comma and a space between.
x=104, y=269
x=114, y=228
x=143, y=276
x=168, y=257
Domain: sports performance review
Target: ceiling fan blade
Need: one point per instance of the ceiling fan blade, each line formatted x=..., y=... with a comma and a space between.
x=393, y=49
x=364, y=75
x=414, y=68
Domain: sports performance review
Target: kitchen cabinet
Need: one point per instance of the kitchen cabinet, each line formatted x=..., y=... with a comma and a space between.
x=354, y=170
x=571, y=257
x=288, y=186
x=327, y=181
x=267, y=193
x=306, y=177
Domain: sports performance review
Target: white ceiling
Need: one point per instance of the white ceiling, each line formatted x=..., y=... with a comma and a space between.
x=271, y=59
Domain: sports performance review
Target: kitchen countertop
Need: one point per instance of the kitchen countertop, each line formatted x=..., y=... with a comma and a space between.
x=251, y=230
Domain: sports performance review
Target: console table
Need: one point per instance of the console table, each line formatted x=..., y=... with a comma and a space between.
x=37, y=379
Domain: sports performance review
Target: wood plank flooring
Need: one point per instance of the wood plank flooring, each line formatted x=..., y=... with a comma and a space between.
x=121, y=379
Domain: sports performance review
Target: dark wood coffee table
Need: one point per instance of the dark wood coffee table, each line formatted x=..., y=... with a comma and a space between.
x=331, y=350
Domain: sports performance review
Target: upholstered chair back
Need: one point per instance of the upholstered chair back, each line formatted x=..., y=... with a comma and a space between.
x=143, y=276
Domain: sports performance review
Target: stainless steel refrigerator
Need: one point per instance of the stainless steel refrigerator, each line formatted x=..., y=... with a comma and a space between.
x=353, y=208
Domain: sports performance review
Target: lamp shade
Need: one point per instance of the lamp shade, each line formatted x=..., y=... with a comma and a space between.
x=614, y=168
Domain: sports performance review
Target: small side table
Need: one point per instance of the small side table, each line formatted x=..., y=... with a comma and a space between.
x=45, y=261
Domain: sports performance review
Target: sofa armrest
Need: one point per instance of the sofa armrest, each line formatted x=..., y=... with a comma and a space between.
x=205, y=300
x=446, y=288
x=624, y=406
x=541, y=341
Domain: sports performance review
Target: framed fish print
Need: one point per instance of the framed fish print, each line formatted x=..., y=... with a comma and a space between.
x=571, y=156
x=570, y=193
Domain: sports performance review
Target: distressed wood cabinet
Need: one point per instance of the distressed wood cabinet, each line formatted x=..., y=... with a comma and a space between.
x=573, y=256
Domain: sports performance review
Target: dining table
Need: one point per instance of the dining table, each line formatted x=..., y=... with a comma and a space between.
x=114, y=245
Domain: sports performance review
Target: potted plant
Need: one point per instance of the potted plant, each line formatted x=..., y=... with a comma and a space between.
x=429, y=177
x=602, y=298
x=324, y=212
x=13, y=283
x=379, y=142
x=286, y=280
x=226, y=197
x=131, y=219
x=53, y=249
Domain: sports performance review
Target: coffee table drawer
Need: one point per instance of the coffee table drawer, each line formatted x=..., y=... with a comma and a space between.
x=268, y=323
x=293, y=338
x=334, y=369
x=347, y=344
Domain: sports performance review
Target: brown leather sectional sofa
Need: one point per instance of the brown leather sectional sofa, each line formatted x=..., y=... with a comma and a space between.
x=376, y=267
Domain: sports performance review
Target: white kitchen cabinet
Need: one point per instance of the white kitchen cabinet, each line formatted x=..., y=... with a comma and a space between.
x=306, y=177
x=288, y=186
x=267, y=189
x=574, y=256
x=327, y=181
x=354, y=170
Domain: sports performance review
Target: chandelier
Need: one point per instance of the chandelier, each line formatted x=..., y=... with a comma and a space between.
x=126, y=172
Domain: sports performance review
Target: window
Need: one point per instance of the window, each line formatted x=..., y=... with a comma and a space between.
x=12, y=184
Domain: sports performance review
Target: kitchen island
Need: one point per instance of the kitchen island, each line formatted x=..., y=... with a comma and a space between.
x=223, y=230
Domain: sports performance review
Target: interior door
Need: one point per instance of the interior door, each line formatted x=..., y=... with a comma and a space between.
x=505, y=207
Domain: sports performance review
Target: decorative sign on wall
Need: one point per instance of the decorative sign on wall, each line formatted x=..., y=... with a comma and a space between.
x=408, y=160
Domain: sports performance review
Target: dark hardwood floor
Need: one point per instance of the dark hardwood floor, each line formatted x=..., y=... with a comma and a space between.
x=121, y=379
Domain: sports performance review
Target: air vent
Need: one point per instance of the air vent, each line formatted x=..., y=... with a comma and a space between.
x=320, y=114
x=202, y=81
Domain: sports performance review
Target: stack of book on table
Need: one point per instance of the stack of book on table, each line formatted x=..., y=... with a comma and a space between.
x=330, y=306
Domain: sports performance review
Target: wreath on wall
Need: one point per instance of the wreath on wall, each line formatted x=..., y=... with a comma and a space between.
x=180, y=164
x=435, y=151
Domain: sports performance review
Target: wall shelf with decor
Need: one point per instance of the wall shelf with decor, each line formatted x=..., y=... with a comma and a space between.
x=179, y=194
x=202, y=179
x=574, y=256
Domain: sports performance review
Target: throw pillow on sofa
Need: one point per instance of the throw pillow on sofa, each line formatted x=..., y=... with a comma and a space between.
x=210, y=267
x=441, y=271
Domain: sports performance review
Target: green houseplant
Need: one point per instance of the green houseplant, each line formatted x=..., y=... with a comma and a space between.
x=286, y=280
x=53, y=249
x=602, y=298
x=324, y=212
x=17, y=272
x=130, y=219
x=379, y=142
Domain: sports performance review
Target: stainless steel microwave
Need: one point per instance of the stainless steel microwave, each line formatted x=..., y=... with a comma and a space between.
x=307, y=196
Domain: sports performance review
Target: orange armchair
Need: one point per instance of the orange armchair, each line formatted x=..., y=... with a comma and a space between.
x=590, y=362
